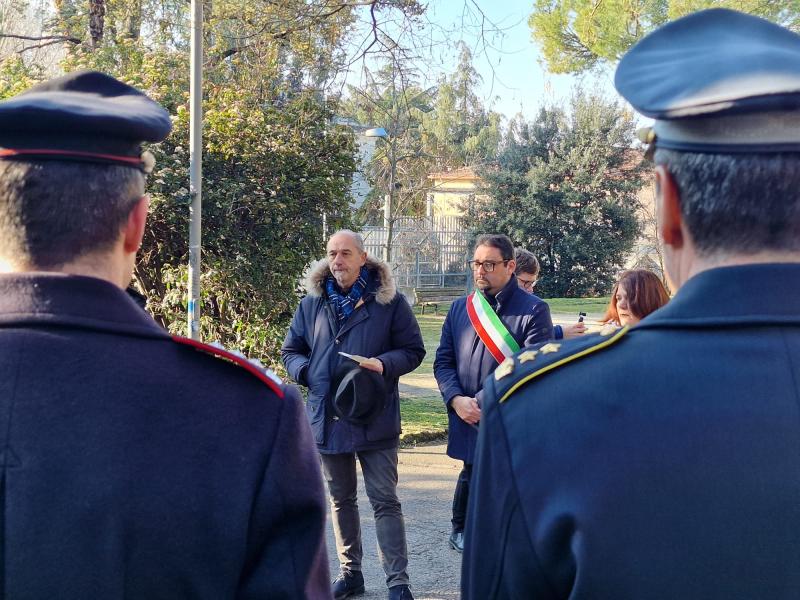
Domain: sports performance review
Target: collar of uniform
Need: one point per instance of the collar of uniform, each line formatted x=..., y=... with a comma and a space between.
x=504, y=295
x=747, y=294
x=71, y=301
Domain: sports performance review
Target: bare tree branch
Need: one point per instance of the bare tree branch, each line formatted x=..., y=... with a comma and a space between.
x=52, y=38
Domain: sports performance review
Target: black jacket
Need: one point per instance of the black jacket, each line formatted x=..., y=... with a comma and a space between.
x=137, y=467
x=383, y=326
x=660, y=462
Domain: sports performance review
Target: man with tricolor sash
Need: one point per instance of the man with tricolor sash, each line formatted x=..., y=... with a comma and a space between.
x=480, y=331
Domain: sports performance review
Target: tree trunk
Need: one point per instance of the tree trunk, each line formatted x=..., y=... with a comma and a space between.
x=133, y=25
x=97, y=14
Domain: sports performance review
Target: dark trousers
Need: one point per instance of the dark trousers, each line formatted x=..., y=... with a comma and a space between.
x=380, y=480
x=460, y=498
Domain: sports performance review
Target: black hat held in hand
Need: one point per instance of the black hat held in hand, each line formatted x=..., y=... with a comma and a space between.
x=359, y=394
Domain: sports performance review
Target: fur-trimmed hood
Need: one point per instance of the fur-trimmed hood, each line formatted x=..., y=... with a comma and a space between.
x=318, y=271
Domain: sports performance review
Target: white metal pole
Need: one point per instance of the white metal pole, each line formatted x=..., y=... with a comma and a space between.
x=195, y=166
x=387, y=205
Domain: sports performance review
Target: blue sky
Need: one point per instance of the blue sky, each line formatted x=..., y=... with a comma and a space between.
x=514, y=78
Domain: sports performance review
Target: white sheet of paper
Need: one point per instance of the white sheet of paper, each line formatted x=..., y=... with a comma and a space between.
x=355, y=357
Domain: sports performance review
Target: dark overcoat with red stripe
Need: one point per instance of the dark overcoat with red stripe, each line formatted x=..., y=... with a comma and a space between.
x=136, y=467
x=463, y=362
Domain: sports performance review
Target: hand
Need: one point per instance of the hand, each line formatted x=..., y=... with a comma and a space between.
x=467, y=408
x=372, y=364
x=574, y=330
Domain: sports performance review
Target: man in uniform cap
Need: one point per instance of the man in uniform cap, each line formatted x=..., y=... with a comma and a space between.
x=662, y=461
x=132, y=464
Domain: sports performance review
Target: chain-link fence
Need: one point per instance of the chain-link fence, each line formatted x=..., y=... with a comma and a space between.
x=426, y=252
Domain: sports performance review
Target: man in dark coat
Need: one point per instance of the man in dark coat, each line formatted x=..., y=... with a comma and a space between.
x=662, y=461
x=132, y=465
x=527, y=272
x=353, y=307
x=463, y=360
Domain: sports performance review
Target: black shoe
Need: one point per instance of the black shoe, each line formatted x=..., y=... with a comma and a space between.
x=457, y=541
x=400, y=592
x=348, y=584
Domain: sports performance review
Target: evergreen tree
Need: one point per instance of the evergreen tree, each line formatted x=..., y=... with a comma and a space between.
x=577, y=35
x=461, y=132
x=566, y=189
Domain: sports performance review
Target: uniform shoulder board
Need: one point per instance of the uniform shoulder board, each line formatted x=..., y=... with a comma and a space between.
x=537, y=360
x=266, y=375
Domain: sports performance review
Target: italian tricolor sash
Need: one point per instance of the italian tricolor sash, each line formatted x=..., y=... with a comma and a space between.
x=490, y=328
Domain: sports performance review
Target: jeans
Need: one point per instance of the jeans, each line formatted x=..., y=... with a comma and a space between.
x=380, y=480
x=460, y=498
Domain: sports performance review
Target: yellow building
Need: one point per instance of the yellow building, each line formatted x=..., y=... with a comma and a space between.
x=451, y=192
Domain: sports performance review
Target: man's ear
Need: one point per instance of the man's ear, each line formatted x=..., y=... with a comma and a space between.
x=512, y=265
x=134, y=228
x=668, y=209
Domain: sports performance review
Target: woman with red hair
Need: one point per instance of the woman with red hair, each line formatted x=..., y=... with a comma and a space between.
x=636, y=294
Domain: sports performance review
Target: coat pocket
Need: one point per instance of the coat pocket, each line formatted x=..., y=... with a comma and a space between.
x=316, y=417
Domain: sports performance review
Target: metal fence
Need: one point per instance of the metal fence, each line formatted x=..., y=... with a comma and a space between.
x=426, y=252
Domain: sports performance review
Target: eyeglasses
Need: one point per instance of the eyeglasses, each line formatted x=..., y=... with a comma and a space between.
x=488, y=265
x=528, y=284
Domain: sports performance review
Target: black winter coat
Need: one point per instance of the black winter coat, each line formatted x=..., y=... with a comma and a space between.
x=383, y=327
x=135, y=467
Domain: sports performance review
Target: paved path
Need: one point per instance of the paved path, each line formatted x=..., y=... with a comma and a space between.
x=427, y=480
x=567, y=319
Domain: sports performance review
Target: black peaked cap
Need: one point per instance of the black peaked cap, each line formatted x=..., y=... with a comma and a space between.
x=79, y=115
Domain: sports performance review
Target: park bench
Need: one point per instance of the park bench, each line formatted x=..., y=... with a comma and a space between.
x=435, y=296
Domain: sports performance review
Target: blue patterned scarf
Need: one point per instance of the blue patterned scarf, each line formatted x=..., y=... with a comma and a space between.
x=344, y=305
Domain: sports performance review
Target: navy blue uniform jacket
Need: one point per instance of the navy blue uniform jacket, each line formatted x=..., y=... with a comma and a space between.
x=463, y=361
x=383, y=327
x=136, y=467
x=665, y=465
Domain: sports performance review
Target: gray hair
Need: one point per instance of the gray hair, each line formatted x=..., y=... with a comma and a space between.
x=54, y=212
x=526, y=262
x=356, y=237
x=738, y=203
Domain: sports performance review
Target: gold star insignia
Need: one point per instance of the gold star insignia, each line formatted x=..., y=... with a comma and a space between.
x=506, y=368
x=549, y=348
x=528, y=355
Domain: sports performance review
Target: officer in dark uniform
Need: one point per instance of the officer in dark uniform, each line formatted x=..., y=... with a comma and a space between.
x=664, y=461
x=132, y=464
